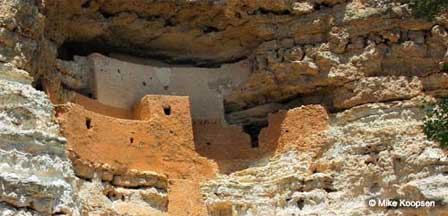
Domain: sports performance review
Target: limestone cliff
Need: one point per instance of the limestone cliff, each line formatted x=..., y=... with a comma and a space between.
x=294, y=107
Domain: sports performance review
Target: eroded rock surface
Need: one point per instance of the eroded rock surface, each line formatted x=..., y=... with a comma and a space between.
x=372, y=151
x=327, y=117
x=36, y=177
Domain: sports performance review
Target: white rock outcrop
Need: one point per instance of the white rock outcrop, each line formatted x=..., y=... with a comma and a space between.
x=374, y=151
x=35, y=174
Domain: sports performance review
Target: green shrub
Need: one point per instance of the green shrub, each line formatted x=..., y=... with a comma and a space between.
x=436, y=121
x=428, y=8
x=445, y=67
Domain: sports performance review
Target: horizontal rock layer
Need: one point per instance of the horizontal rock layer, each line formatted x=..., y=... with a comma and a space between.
x=371, y=151
x=368, y=62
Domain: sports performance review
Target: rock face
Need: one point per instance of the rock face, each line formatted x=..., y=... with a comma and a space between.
x=374, y=151
x=36, y=177
x=324, y=116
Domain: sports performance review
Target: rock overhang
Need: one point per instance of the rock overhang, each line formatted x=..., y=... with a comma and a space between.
x=370, y=58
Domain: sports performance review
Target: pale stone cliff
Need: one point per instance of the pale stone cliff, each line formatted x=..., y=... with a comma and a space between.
x=328, y=118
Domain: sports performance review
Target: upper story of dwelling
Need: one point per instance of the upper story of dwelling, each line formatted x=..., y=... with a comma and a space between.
x=121, y=81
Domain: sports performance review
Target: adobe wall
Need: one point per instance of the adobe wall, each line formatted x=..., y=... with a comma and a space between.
x=302, y=129
x=162, y=143
x=158, y=141
x=163, y=139
x=97, y=107
x=122, y=83
x=157, y=134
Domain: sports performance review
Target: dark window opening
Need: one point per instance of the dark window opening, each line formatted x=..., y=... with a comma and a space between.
x=167, y=109
x=165, y=87
x=254, y=131
x=144, y=83
x=88, y=123
x=131, y=140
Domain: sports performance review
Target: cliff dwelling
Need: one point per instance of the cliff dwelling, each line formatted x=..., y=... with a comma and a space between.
x=121, y=81
x=221, y=108
x=134, y=113
x=119, y=86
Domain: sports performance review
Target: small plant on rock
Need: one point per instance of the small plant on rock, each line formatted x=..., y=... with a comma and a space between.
x=436, y=121
x=428, y=8
x=445, y=67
